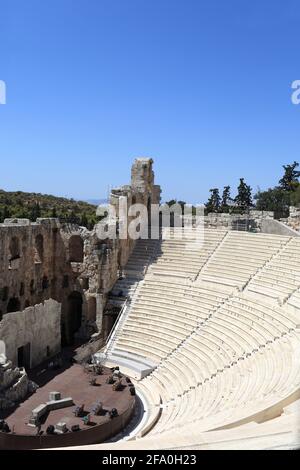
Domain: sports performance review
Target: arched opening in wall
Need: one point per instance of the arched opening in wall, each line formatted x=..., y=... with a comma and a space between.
x=72, y=318
x=13, y=305
x=92, y=307
x=24, y=356
x=14, y=249
x=45, y=283
x=85, y=283
x=110, y=317
x=65, y=282
x=53, y=284
x=39, y=249
x=120, y=266
x=32, y=287
x=160, y=220
x=4, y=293
x=76, y=249
x=22, y=289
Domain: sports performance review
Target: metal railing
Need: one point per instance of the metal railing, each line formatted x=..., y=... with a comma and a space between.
x=119, y=321
x=127, y=301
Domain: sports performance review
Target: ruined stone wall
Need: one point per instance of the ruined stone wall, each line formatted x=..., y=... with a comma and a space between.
x=14, y=385
x=248, y=222
x=142, y=181
x=67, y=263
x=293, y=220
x=70, y=265
x=38, y=327
x=141, y=191
x=30, y=259
x=256, y=221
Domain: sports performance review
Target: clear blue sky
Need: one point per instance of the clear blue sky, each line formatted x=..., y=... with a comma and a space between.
x=203, y=87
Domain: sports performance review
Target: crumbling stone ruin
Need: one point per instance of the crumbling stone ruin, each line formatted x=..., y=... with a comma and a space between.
x=293, y=220
x=55, y=278
x=252, y=221
x=14, y=382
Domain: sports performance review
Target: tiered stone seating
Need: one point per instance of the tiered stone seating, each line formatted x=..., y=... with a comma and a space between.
x=135, y=270
x=279, y=433
x=141, y=256
x=240, y=256
x=243, y=390
x=185, y=254
x=163, y=315
x=124, y=288
x=281, y=276
x=294, y=299
x=225, y=354
x=213, y=350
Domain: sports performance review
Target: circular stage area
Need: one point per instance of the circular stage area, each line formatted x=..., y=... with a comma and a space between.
x=83, y=410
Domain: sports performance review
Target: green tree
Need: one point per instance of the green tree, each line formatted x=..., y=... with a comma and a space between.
x=53, y=213
x=35, y=212
x=295, y=197
x=280, y=198
x=73, y=218
x=4, y=214
x=243, y=198
x=225, y=199
x=32, y=205
x=84, y=220
x=274, y=199
x=290, y=179
x=213, y=203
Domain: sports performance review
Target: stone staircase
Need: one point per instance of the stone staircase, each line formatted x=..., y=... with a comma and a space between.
x=141, y=257
x=123, y=294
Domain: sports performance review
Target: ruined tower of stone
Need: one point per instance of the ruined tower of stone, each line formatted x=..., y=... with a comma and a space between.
x=55, y=278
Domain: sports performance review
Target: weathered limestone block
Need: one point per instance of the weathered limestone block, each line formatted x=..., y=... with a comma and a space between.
x=38, y=327
x=15, y=385
x=142, y=176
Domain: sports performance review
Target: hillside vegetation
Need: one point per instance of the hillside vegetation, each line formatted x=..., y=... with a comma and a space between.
x=32, y=206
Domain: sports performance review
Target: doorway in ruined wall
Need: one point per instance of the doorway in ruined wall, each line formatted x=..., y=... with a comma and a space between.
x=76, y=249
x=39, y=249
x=72, y=318
x=92, y=309
x=13, y=305
x=14, y=249
x=24, y=356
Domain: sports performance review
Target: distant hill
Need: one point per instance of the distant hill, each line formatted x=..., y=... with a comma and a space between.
x=34, y=205
x=96, y=202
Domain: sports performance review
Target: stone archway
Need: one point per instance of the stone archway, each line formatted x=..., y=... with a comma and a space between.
x=72, y=318
x=14, y=249
x=92, y=309
x=13, y=305
x=39, y=249
x=76, y=249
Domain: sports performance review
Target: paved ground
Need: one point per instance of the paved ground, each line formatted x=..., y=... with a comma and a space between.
x=71, y=381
